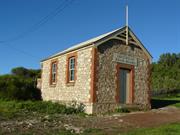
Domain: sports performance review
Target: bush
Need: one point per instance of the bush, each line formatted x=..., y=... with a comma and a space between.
x=26, y=73
x=20, y=84
x=122, y=110
x=45, y=107
x=17, y=88
x=166, y=72
x=166, y=93
x=127, y=109
x=79, y=106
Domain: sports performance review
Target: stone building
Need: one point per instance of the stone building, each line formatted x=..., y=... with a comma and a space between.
x=103, y=73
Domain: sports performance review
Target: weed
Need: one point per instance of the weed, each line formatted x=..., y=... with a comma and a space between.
x=11, y=108
x=122, y=110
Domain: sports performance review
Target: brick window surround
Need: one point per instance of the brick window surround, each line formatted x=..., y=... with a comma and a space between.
x=93, y=75
x=53, y=73
x=70, y=57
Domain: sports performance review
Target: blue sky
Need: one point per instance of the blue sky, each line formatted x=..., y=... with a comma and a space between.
x=155, y=22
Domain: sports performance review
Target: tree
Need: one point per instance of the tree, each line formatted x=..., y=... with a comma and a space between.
x=166, y=72
x=20, y=84
x=26, y=73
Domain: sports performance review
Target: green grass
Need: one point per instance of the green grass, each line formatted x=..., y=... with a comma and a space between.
x=168, y=100
x=53, y=132
x=90, y=131
x=65, y=132
x=169, y=97
x=177, y=105
x=9, y=109
x=170, y=129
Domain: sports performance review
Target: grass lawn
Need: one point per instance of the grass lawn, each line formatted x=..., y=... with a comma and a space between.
x=10, y=109
x=163, y=101
x=170, y=129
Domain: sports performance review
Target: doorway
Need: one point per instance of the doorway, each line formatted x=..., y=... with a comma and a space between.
x=124, y=83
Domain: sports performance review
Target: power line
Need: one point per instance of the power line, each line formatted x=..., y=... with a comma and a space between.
x=35, y=27
x=20, y=51
x=44, y=20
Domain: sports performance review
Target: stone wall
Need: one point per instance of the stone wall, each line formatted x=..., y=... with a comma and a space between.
x=106, y=76
x=63, y=92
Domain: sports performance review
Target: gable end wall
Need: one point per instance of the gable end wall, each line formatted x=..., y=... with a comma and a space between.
x=106, y=74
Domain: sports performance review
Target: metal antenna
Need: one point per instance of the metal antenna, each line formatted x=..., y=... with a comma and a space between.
x=127, y=34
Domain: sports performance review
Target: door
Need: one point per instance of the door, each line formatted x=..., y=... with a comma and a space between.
x=124, y=85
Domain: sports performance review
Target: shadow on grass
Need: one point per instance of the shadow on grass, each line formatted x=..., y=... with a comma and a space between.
x=159, y=103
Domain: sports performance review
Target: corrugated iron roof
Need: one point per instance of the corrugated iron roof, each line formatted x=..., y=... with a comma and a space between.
x=82, y=44
x=91, y=42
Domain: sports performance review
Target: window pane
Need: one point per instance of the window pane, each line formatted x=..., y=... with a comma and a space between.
x=71, y=63
x=54, y=67
x=53, y=72
x=71, y=75
x=71, y=68
x=53, y=77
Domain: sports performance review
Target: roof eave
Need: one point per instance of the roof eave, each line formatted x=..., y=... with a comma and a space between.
x=67, y=51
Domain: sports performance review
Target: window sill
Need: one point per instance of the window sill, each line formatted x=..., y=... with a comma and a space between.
x=70, y=84
x=52, y=85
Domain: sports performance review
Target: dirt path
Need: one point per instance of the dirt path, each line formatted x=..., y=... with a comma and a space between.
x=122, y=123
x=109, y=124
x=152, y=118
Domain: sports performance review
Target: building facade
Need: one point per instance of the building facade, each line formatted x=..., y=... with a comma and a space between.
x=103, y=73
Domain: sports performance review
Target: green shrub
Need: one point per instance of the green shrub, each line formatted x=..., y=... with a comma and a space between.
x=26, y=73
x=18, y=88
x=122, y=110
x=166, y=72
x=127, y=109
x=79, y=106
x=46, y=107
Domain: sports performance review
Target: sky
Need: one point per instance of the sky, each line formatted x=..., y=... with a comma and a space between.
x=31, y=30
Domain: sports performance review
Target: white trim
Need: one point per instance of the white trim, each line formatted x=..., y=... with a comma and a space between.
x=112, y=37
x=125, y=40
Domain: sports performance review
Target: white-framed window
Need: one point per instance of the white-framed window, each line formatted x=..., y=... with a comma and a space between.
x=72, y=69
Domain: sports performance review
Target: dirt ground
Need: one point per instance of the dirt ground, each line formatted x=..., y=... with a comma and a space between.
x=109, y=124
x=124, y=122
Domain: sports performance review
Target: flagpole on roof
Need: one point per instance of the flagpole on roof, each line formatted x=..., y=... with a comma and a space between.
x=127, y=25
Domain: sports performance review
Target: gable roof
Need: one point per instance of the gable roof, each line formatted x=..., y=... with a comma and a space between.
x=101, y=38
